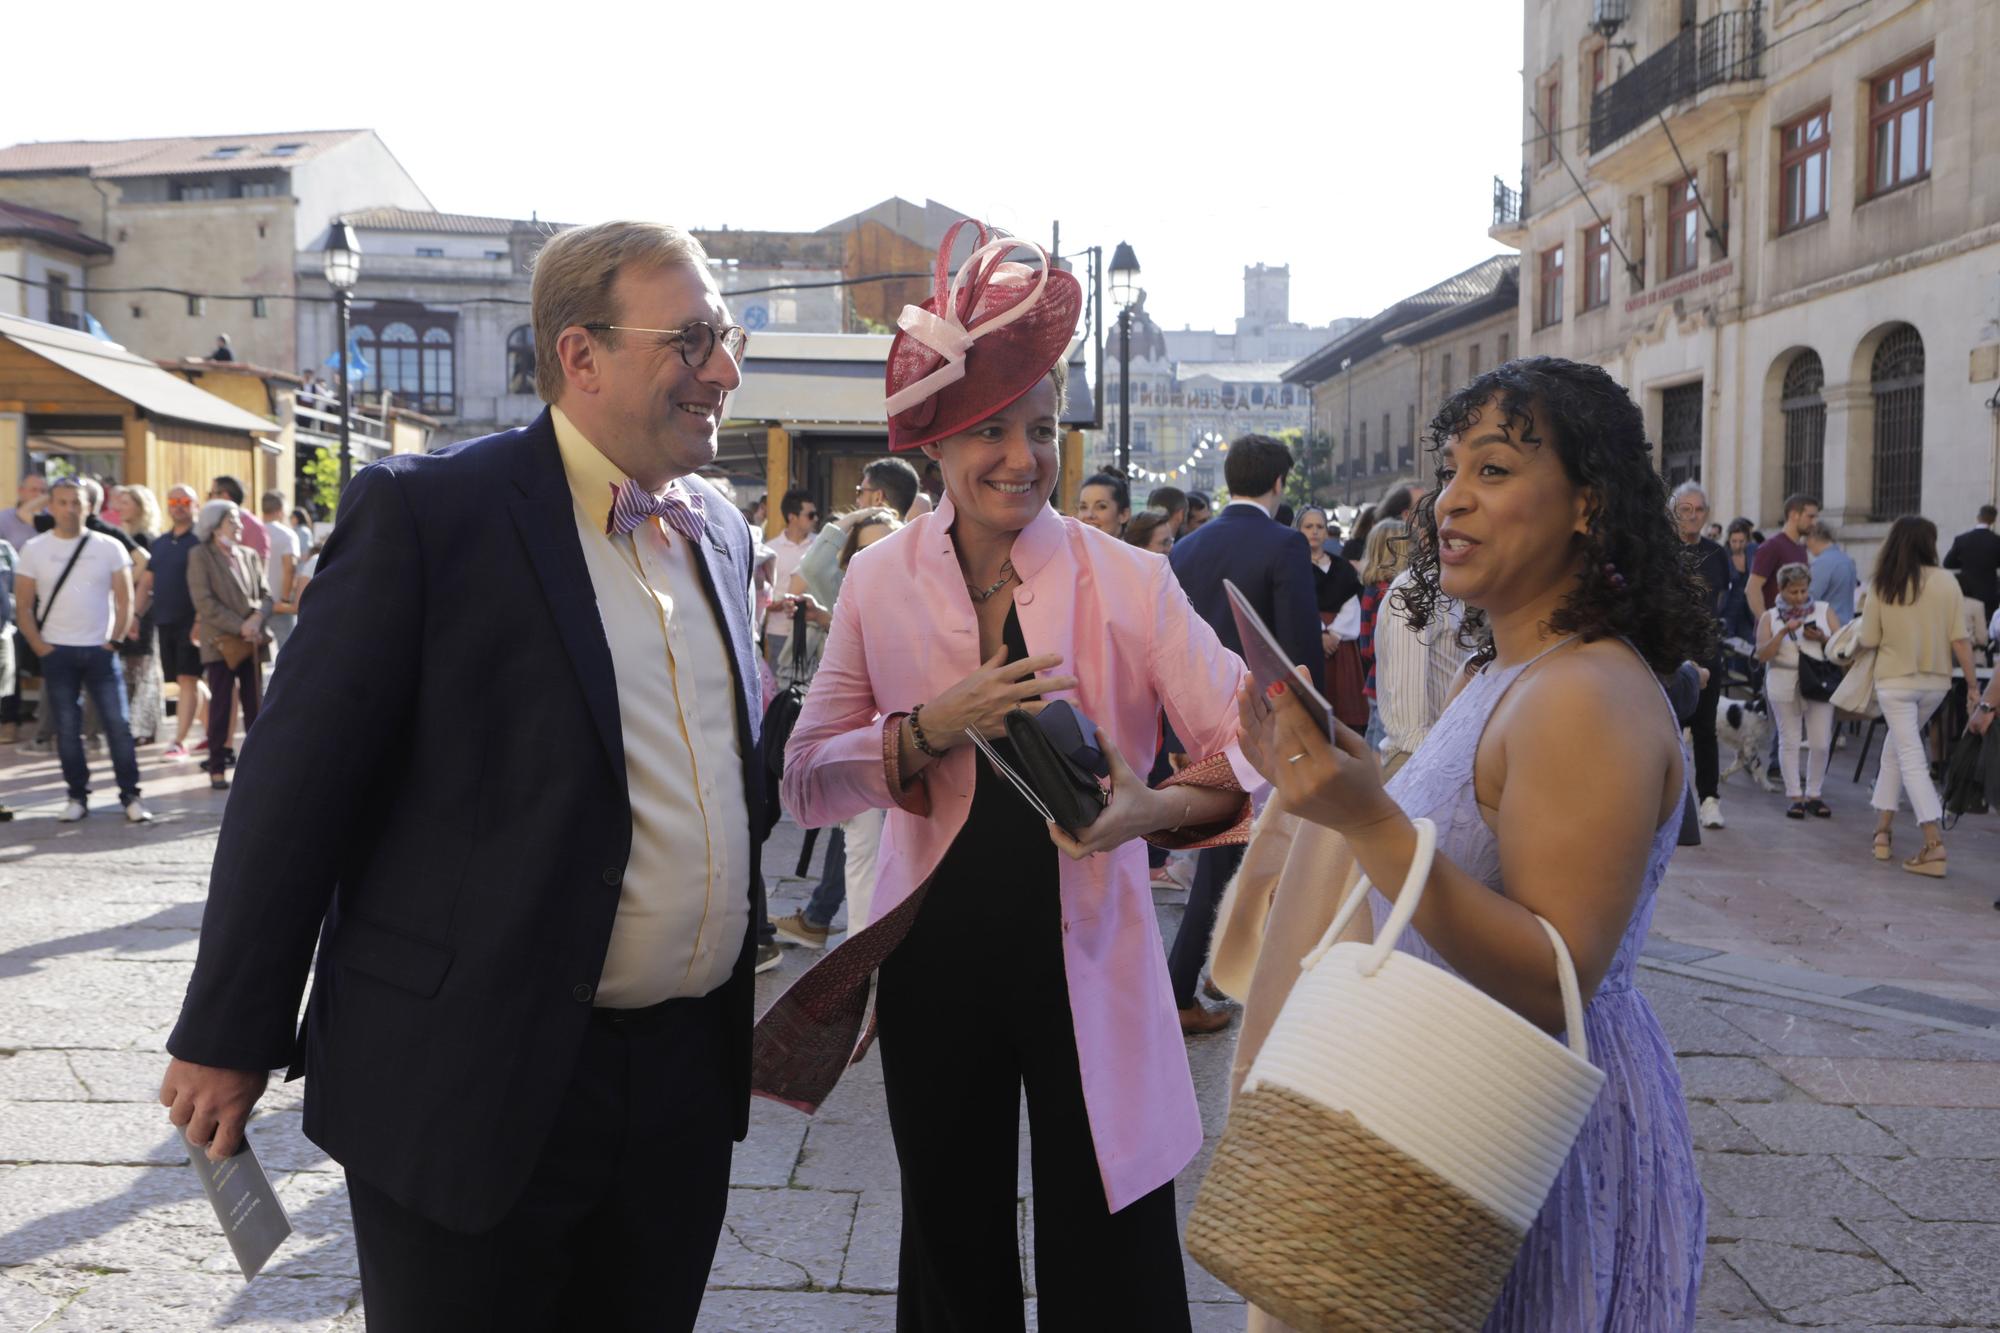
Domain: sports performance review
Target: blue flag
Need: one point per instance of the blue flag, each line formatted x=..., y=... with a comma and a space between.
x=359, y=368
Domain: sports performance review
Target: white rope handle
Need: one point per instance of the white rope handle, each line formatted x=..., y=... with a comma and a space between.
x=1414, y=883
x=1413, y=889
x=1579, y=1044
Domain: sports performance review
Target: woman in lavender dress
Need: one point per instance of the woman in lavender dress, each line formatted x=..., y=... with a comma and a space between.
x=1556, y=779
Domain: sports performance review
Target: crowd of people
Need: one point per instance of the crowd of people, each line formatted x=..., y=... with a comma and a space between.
x=109, y=598
x=530, y=1041
x=1917, y=626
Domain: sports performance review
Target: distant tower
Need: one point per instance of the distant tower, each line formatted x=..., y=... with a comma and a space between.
x=1267, y=296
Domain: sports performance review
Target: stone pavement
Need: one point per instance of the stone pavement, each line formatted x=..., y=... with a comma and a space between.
x=1833, y=1019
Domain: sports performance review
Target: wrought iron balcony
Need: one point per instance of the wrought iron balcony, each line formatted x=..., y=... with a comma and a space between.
x=1509, y=204
x=1729, y=48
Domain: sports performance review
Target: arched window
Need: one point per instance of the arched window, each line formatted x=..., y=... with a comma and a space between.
x=521, y=360
x=1897, y=381
x=435, y=392
x=396, y=364
x=1805, y=425
x=413, y=355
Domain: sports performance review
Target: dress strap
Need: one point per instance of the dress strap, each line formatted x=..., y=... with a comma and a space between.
x=1563, y=642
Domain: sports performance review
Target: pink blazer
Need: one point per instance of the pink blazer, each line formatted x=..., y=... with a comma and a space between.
x=904, y=631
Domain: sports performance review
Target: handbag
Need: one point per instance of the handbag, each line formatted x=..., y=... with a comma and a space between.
x=1855, y=694
x=1818, y=678
x=775, y=731
x=235, y=649
x=1347, y=685
x=1395, y=1137
x=1058, y=754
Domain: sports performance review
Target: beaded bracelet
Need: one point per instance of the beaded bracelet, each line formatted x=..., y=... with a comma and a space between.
x=917, y=733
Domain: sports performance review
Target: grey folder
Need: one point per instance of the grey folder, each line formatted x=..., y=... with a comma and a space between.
x=246, y=1205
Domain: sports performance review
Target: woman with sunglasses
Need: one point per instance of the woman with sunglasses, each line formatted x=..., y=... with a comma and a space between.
x=1012, y=952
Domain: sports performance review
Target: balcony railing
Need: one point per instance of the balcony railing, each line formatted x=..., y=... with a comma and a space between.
x=1509, y=204
x=1729, y=48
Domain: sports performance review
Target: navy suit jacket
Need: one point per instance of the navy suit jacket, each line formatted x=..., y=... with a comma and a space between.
x=435, y=792
x=1271, y=563
x=1975, y=557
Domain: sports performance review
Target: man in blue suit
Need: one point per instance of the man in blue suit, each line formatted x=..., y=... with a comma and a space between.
x=1272, y=565
x=517, y=718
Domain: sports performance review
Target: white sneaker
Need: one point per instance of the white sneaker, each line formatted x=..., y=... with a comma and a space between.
x=72, y=812
x=137, y=813
x=1711, y=813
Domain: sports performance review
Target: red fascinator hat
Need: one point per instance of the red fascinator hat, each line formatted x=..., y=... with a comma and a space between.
x=982, y=340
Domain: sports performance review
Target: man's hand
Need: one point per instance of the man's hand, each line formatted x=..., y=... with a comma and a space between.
x=209, y=1105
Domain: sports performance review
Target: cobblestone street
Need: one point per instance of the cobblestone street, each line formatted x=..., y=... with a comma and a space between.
x=1835, y=1020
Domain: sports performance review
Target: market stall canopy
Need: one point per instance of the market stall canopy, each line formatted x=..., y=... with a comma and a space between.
x=133, y=378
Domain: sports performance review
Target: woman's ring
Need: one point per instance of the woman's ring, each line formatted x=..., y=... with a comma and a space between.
x=1295, y=758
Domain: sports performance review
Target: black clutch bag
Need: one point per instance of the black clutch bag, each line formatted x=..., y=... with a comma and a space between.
x=1060, y=763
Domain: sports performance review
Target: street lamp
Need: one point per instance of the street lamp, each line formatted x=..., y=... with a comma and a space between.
x=1347, y=437
x=342, y=261
x=1124, y=291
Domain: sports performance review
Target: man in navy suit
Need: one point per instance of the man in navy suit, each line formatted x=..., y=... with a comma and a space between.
x=1975, y=557
x=516, y=718
x=1272, y=565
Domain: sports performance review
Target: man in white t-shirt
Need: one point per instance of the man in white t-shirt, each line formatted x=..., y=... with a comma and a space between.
x=74, y=591
x=801, y=518
x=281, y=566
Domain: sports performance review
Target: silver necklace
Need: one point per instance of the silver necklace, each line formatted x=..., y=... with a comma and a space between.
x=1006, y=576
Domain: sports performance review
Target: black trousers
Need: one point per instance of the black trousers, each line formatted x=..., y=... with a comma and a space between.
x=617, y=1227
x=1213, y=869
x=974, y=1006
x=1701, y=729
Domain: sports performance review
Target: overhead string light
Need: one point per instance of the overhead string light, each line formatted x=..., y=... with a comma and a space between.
x=1209, y=440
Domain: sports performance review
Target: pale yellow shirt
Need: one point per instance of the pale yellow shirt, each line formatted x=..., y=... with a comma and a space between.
x=684, y=905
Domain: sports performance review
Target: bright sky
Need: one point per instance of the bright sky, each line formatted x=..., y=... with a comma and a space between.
x=1356, y=141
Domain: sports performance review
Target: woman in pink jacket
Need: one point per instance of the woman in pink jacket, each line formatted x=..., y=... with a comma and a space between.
x=1017, y=953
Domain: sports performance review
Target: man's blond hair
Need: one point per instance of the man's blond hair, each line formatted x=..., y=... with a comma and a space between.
x=574, y=276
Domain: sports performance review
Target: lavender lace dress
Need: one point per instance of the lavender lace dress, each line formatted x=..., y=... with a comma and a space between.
x=1618, y=1245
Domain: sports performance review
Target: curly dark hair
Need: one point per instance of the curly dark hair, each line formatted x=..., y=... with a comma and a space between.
x=1600, y=437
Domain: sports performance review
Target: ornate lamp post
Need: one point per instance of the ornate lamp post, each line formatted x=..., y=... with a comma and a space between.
x=342, y=260
x=1124, y=291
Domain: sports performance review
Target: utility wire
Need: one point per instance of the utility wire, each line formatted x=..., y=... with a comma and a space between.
x=1834, y=17
x=1701, y=201
x=468, y=300
x=1610, y=232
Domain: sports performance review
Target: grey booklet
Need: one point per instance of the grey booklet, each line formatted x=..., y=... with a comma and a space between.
x=246, y=1205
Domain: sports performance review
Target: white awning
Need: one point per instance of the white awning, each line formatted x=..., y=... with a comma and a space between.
x=133, y=378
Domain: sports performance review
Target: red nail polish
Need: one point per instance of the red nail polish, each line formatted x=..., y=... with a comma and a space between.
x=1277, y=688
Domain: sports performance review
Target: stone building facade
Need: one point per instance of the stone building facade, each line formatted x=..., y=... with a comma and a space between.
x=1786, y=241
x=1374, y=389
x=217, y=220
x=1194, y=390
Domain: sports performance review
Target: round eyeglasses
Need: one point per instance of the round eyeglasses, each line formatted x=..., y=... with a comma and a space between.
x=697, y=340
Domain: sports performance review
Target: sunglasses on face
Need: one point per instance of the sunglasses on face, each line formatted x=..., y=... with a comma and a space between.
x=697, y=341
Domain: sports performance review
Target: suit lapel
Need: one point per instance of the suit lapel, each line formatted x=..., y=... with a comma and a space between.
x=541, y=512
x=712, y=557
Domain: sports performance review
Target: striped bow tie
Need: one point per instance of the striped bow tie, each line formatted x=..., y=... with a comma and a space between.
x=679, y=506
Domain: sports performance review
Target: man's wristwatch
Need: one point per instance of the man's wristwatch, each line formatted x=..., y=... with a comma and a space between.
x=1983, y=707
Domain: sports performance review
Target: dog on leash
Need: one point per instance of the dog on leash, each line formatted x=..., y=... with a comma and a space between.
x=1743, y=726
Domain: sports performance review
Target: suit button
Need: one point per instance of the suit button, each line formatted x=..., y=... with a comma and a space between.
x=614, y=875
x=582, y=994
x=1025, y=596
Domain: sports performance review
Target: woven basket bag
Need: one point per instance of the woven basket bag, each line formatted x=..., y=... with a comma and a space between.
x=1394, y=1139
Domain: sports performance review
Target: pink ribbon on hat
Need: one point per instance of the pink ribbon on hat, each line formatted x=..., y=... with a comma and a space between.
x=945, y=333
